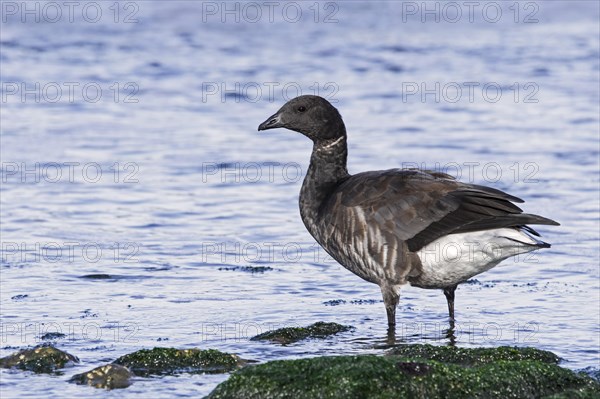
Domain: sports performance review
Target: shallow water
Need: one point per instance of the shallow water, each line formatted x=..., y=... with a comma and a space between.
x=134, y=181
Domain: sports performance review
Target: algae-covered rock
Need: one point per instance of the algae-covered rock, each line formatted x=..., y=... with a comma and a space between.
x=248, y=269
x=593, y=372
x=371, y=376
x=41, y=359
x=578, y=393
x=109, y=376
x=334, y=302
x=290, y=335
x=52, y=335
x=472, y=356
x=160, y=361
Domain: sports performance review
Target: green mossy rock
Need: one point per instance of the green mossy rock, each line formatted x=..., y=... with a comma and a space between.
x=290, y=335
x=528, y=373
x=472, y=356
x=161, y=361
x=110, y=376
x=581, y=393
x=41, y=359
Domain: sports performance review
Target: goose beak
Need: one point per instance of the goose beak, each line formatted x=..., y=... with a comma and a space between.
x=272, y=122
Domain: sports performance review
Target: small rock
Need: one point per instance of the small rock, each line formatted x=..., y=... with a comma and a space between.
x=247, y=269
x=365, y=301
x=97, y=276
x=52, y=335
x=334, y=302
x=41, y=359
x=290, y=335
x=110, y=376
x=163, y=361
x=87, y=313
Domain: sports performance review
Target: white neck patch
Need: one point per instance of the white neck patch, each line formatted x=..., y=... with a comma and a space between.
x=331, y=144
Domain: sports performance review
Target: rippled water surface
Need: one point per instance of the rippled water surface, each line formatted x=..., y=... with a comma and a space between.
x=135, y=186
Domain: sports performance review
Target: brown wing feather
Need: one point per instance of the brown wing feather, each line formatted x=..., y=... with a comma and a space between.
x=418, y=207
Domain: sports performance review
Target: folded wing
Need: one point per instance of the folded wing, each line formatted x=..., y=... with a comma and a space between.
x=418, y=207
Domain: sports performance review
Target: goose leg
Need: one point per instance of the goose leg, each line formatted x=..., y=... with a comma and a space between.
x=390, y=300
x=449, y=293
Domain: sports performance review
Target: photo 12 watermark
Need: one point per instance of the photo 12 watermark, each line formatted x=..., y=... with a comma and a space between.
x=472, y=332
x=238, y=331
x=471, y=92
x=452, y=12
x=253, y=92
x=68, y=252
x=69, y=172
x=292, y=172
x=323, y=12
x=251, y=172
x=32, y=333
x=52, y=12
x=476, y=172
x=232, y=253
x=449, y=252
x=69, y=92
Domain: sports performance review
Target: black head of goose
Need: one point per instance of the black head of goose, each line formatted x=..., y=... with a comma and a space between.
x=394, y=227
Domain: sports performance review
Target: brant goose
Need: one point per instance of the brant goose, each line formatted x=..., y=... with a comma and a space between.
x=393, y=227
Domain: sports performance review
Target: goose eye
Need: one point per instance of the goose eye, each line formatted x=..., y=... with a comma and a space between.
x=301, y=108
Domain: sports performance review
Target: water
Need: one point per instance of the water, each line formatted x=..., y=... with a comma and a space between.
x=137, y=157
